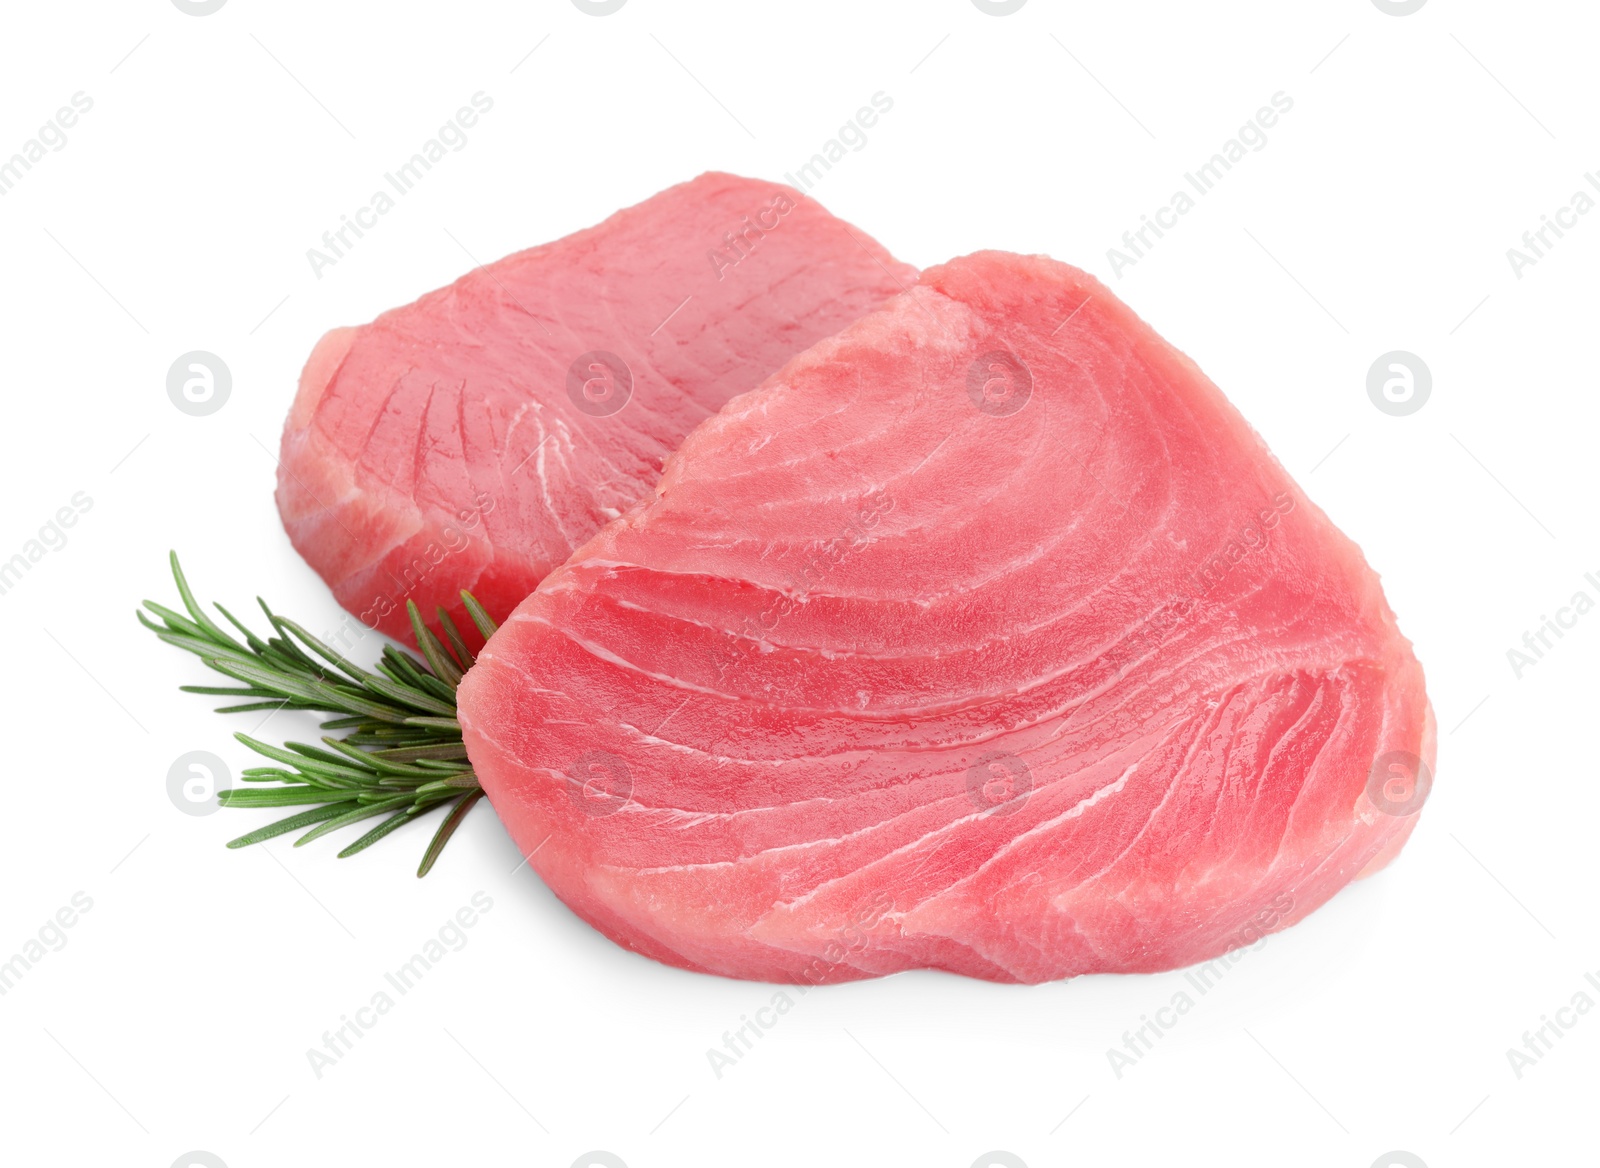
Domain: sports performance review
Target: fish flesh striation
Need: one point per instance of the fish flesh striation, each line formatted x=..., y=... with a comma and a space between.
x=474, y=438
x=984, y=636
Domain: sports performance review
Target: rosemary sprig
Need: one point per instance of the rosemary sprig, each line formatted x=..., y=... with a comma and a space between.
x=403, y=756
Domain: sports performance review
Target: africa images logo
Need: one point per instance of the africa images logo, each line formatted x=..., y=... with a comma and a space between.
x=599, y=383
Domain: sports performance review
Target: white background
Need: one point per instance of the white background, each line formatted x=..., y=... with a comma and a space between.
x=178, y=1014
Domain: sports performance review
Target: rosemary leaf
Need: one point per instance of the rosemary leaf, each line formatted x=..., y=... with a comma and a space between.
x=453, y=635
x=438, y=658
x=485, y=623
x=447, y=829
x=283, y=826
x=396, y=820
x=365, y=811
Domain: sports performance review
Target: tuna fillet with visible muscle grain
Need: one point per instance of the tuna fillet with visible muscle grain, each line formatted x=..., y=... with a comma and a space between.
x=985, y=636
x=473, y=438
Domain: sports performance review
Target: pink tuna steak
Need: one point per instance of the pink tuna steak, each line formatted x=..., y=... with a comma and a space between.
x=474, y=438
x=986, y=636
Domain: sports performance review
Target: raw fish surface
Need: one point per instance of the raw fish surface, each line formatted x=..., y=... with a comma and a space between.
x=474, y=438
x=985, y=636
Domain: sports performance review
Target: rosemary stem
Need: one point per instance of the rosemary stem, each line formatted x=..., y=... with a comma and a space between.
x=403, y=754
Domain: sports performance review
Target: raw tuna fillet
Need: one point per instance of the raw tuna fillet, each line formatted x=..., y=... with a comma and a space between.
x=985, y=636
x=474, y=438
